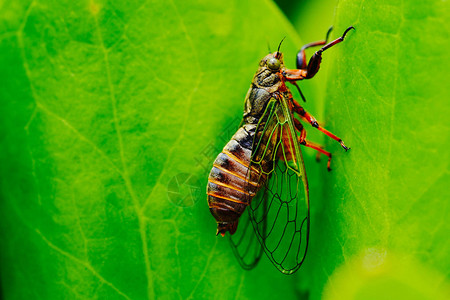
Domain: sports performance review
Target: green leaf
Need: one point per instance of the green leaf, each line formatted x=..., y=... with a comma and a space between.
x=111, y=114
x=380, y=230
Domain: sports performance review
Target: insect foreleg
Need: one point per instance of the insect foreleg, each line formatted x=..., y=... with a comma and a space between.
x=307, y=72
x=314, y=62
x=310, y=119
x=301, y=55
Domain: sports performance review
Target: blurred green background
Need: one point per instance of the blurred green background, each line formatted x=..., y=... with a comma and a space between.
x=112, y=113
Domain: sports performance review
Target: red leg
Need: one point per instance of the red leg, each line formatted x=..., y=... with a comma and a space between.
x=302, y=140
x=320, y=149
x=314, y=63
x=301, y=55
x=301, y=64
x=294, y=75
x=300, y=128
x=310, y=119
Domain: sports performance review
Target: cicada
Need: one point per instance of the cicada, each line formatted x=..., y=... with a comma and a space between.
x=259, y=179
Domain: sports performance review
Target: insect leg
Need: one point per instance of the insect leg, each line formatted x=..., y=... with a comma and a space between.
x=301, y=55
x=300, y=128
x=320, y=149
x=310, y=119
x=314, y=63
x=302, y=140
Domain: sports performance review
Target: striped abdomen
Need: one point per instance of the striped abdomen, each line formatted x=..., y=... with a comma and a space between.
x=229, y=188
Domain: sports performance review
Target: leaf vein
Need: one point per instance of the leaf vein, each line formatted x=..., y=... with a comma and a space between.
x=81, y=136
x=87, y=265
x=180, y=135
x=128, y=184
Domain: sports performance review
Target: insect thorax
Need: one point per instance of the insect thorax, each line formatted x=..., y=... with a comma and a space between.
x=256, y=102
x=264, y=84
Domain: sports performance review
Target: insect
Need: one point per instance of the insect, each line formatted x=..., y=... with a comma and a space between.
x=259, y=179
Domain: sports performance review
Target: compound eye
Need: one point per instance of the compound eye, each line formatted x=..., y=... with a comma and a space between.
x=274, y=64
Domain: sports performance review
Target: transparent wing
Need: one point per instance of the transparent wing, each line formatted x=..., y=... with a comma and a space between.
x=280, y=211
x=244, y=242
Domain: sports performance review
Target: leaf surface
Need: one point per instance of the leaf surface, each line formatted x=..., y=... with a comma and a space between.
x=380, y=229
x=112, y=113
